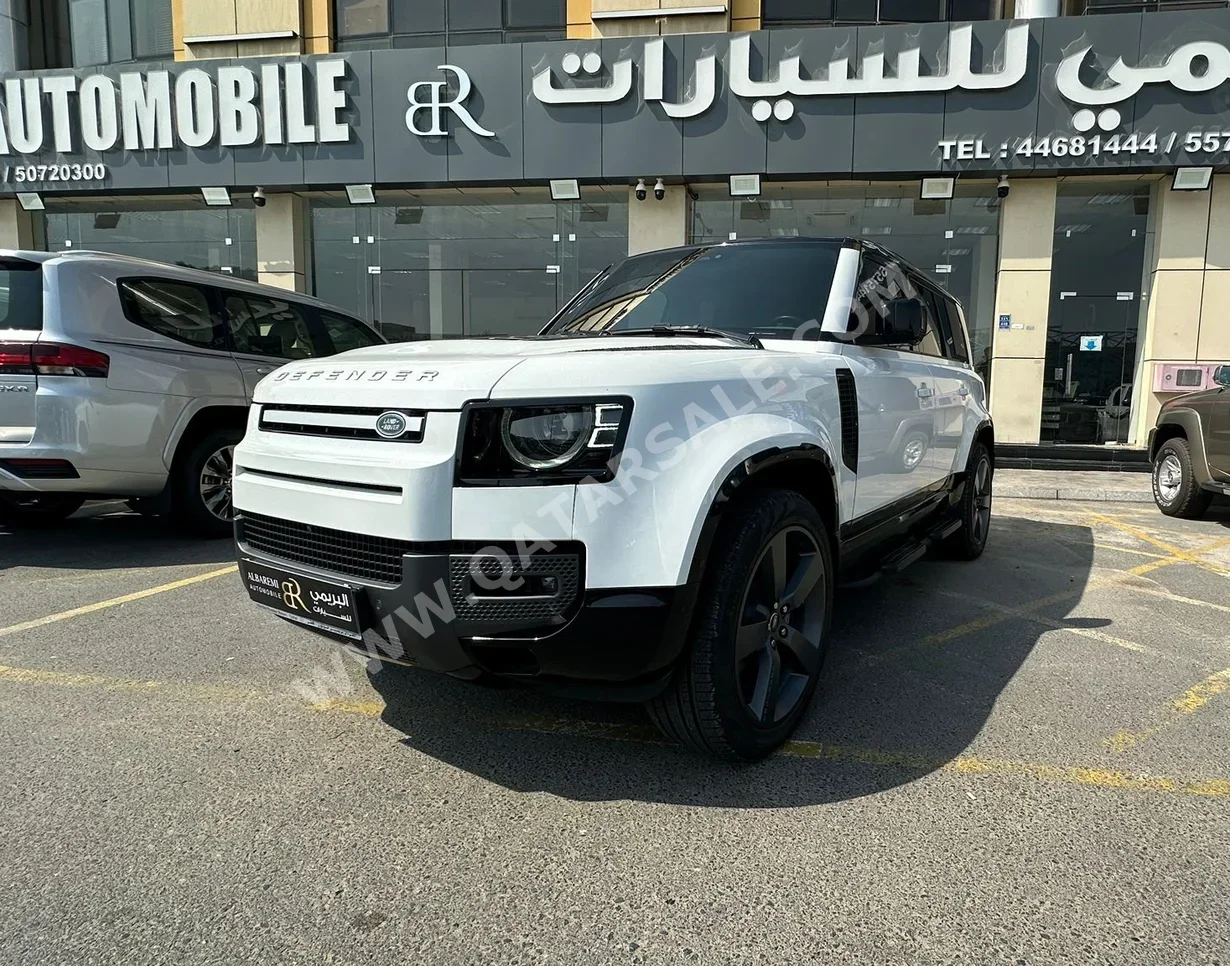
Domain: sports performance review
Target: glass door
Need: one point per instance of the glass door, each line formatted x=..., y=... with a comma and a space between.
x=1097, y=271
x=450, y=266
x=1087, y=380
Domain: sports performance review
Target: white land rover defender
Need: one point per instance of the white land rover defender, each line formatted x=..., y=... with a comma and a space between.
x=653, y=499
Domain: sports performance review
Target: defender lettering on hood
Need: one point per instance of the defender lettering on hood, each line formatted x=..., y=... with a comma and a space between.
x=356, y=375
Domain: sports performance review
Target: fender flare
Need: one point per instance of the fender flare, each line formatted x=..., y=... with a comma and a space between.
x=736, y=481
x=1189, y=421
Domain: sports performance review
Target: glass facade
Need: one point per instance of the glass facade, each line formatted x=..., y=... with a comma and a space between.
x=364, y=24
x=1103, y=235
x=778, y=13
x=955, y=241
x=112, y=31
x=182, y=232
x=448, y=264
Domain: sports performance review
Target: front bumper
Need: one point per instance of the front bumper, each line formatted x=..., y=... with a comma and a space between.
x=421, y=604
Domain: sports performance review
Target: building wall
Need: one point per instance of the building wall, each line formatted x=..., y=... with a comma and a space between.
x=311, y=22
x=583, y=24
x=1189, y=289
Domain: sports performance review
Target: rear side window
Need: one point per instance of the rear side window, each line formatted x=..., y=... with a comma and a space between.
x=21, y=295
x=174, y=309
x=346, y=333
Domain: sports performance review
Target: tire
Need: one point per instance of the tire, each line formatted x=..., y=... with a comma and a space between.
x=739, y=691
x=19, y=510
x=975, y=507
x=198, y=476
x=1175, y=490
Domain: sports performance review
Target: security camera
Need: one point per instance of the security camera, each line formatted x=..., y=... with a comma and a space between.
x=1003, y=188
x=640, y=189
x=258, y=198
x=659, y=189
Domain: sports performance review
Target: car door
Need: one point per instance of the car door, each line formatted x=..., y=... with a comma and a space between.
x=896, y=389
x=1217, y=444
x=953, y=382
x=266, y=333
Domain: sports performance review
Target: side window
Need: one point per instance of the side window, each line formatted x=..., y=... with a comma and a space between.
x=956, y=325
x=943, y=329
x=346, y=333
x=173, y=309
x=268, y=327
x=930, y=344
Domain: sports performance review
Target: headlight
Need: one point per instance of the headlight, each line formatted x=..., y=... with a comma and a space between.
x=548, y=442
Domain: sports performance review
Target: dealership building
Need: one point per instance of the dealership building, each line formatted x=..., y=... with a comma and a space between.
x=447, y=168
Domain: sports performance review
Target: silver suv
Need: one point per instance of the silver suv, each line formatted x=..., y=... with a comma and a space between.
x=121, y=377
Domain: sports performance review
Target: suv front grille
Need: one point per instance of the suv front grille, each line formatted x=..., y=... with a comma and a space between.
x=342, y=422
x=350, y=554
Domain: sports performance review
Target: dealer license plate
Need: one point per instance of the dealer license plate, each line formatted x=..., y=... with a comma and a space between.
x=308, y=600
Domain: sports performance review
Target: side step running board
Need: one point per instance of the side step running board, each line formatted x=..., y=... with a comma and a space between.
x=909, y=553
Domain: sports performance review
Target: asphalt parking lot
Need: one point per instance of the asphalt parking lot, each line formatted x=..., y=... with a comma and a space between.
x=1024, y=760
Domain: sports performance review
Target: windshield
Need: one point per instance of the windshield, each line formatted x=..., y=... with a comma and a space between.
x=767, y=290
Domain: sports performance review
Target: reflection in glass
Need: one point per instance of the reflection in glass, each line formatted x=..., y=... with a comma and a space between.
x=1102, y=234
x=177, y=231
x=955, y=242
x=500, y=263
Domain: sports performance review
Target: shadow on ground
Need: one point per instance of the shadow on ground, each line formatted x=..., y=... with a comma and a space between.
x=892, y=705
x=107, y=536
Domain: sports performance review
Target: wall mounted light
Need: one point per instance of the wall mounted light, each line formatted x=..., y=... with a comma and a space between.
x=1193, y=179
x=937, y=189
x=566, y=189
x=216, y=196
x=360, y=194
x=744, y=185
x=31, y=201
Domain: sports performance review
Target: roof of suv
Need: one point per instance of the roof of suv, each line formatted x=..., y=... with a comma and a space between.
x=130, y=263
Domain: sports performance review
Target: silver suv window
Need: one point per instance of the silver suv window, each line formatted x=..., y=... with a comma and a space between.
x=174, y=309
x=21, y=295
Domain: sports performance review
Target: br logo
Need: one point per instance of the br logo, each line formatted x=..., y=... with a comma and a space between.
x=435, y=104
x=292, y=595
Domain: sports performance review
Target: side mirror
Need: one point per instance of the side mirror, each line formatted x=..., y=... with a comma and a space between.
x=1221, y=375
x=903, y=322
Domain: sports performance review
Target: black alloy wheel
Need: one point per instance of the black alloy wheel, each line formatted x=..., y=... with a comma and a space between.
x=777, y=645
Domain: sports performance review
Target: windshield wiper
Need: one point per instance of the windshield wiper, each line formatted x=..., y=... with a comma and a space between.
x=704, y=331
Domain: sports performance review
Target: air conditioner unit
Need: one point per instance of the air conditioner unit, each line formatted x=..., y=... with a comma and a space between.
x=1184, y=377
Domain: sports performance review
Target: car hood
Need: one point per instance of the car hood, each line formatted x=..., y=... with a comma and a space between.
x=441, y=374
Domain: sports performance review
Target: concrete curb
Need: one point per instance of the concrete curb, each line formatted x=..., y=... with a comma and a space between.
x=1074, y=494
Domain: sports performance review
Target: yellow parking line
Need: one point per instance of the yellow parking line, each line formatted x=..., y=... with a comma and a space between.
x=1185, y=556
x=1190, y=701
x=27, y=675
x=616, y=731
x=961, y=765
x=115, y=601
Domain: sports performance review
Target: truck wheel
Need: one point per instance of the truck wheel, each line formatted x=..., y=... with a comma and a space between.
x=975, y=507
x=759, y=632
x=203, y=484
x=1175, y=490
x=37, y=510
